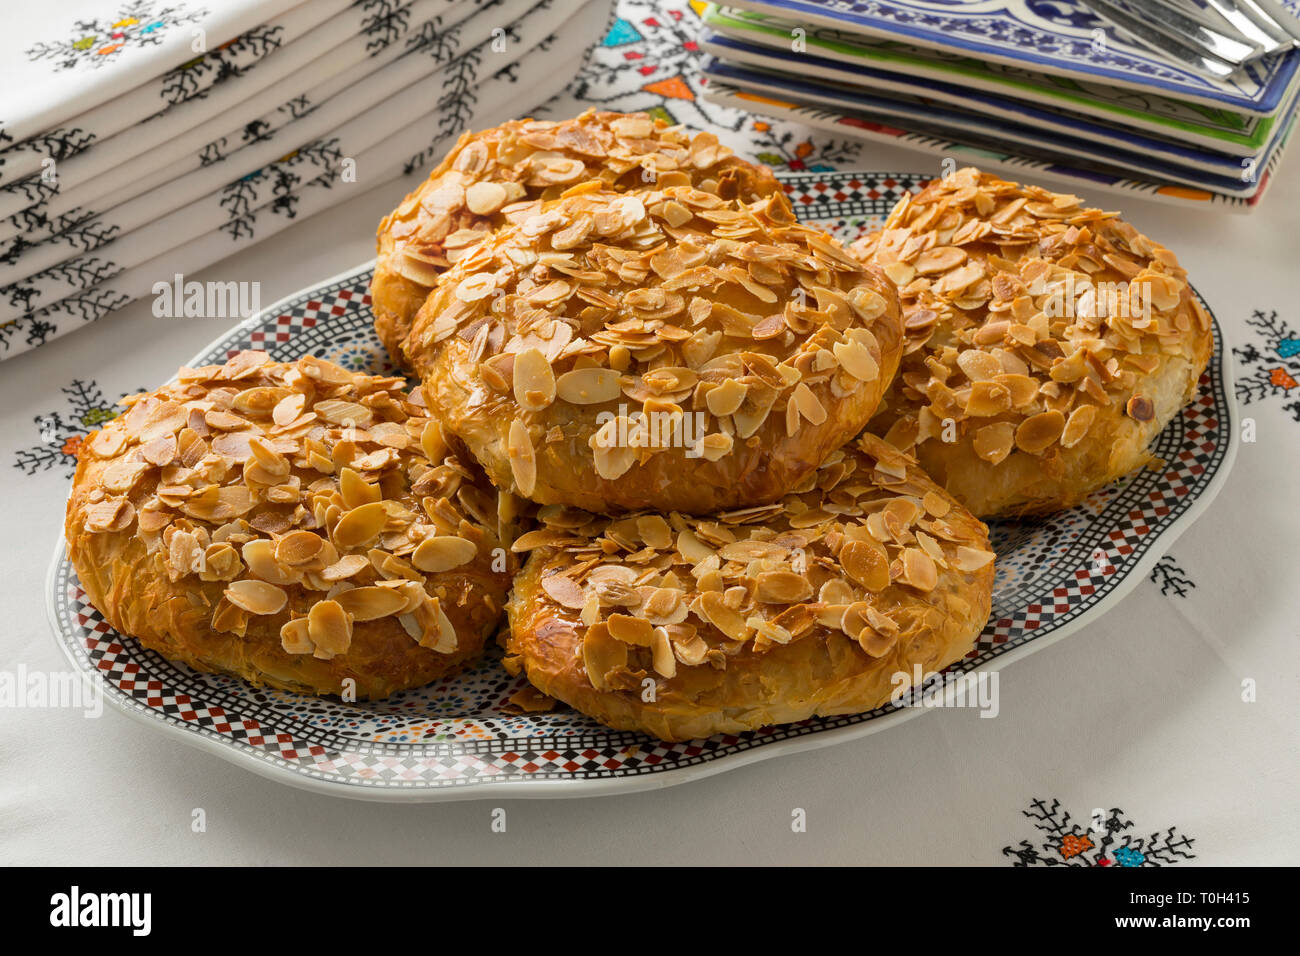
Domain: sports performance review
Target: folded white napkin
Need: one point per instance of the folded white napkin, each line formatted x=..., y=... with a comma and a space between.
x=302, y=120
x=59, y=60
x=484, y=89
x=315, y=24
x=211, y=126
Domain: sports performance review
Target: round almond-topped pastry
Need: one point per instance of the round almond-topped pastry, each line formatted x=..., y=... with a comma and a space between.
x=829, y=601
x=1047, y=343
x=298, y=525
x=668, y=349
x=493, y=176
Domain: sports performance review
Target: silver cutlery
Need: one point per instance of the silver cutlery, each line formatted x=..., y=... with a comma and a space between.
x=1177, y=36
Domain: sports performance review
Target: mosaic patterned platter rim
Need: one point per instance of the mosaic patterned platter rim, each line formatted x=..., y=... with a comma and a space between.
x=437, y=743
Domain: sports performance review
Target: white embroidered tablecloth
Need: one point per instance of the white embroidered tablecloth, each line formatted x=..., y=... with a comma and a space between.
x=1176, y=714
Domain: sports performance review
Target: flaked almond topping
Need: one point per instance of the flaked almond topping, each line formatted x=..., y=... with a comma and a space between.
x=588, y=386
x=371, y=602
x=919, y=569
x=663, y=657
x=257, y=597
x=295, y=638
x=1076, y=428
x=726, y=398
x=442, y=553
x=856, y=359
x=563, y=591
x=360, y=526
x=523, y=461
x=611, y=459
x=630, y=630
x=809, y=406
x=971, y=559
x=866, y=563
x=534, y=382
x=724, y=618
x=994, y=443
x=1039, y=432
x=783, y=587
x=330, y=629
x=602, y=654
x=485, y=198
x=299, y=548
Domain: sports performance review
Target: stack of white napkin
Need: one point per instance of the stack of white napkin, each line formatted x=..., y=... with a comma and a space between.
x=144, y=138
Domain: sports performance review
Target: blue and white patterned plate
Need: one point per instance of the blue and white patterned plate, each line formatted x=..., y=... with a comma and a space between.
x=1060, y=37
x=460, y=738
x=1097, y=148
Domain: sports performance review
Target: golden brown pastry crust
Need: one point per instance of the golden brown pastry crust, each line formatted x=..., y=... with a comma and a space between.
x=807, y=607
x=297, y=525
x=564, y=349
x=1014, y=392
x=481, y=182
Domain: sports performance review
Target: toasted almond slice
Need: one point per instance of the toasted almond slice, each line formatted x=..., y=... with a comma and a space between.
x=936, y=504
x=978, y=365
x=994, y=442
x=690, y=547
x=726, y=398
x=655, y=532
x=442, y=553
x=611, y=459
x=665, y=662
x=919, y=569
x=1039, y=432
x=476, y=287
x=288, y=409
x=716, y=445
x=294, y=637
x=298, y=548
x=256, y=597
x=345, y=567
x=856, y=359
x=534, y=382
x=724, y=618
x=564, y=591
x=783, y=587
x=630, y=630
x=1076, y=428
x=324, y=371
x=971, y=559
x=356, y=491
x=866, y=563
x=360, y=526
x=523, y=461
x=108, y=442
x=588, y=386
x=809, y=405
x=602, y=654
x=485, y=198
x=372, y=602
x=330, y=628
x=259, y=556
x=219, y=505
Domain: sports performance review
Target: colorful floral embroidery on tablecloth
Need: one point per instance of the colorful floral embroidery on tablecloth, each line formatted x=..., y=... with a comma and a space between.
x=1065, y=842
x=93, y=43
x=1270, y=365
x=62, y=431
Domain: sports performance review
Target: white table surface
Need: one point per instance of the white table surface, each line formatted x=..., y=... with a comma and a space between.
x=1142, y=711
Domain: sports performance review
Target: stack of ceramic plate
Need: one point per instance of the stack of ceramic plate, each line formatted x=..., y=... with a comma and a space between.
x=1041, y=90
x=165, y=137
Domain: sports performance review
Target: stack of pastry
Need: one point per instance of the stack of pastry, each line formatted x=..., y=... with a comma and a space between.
x=644, y=388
